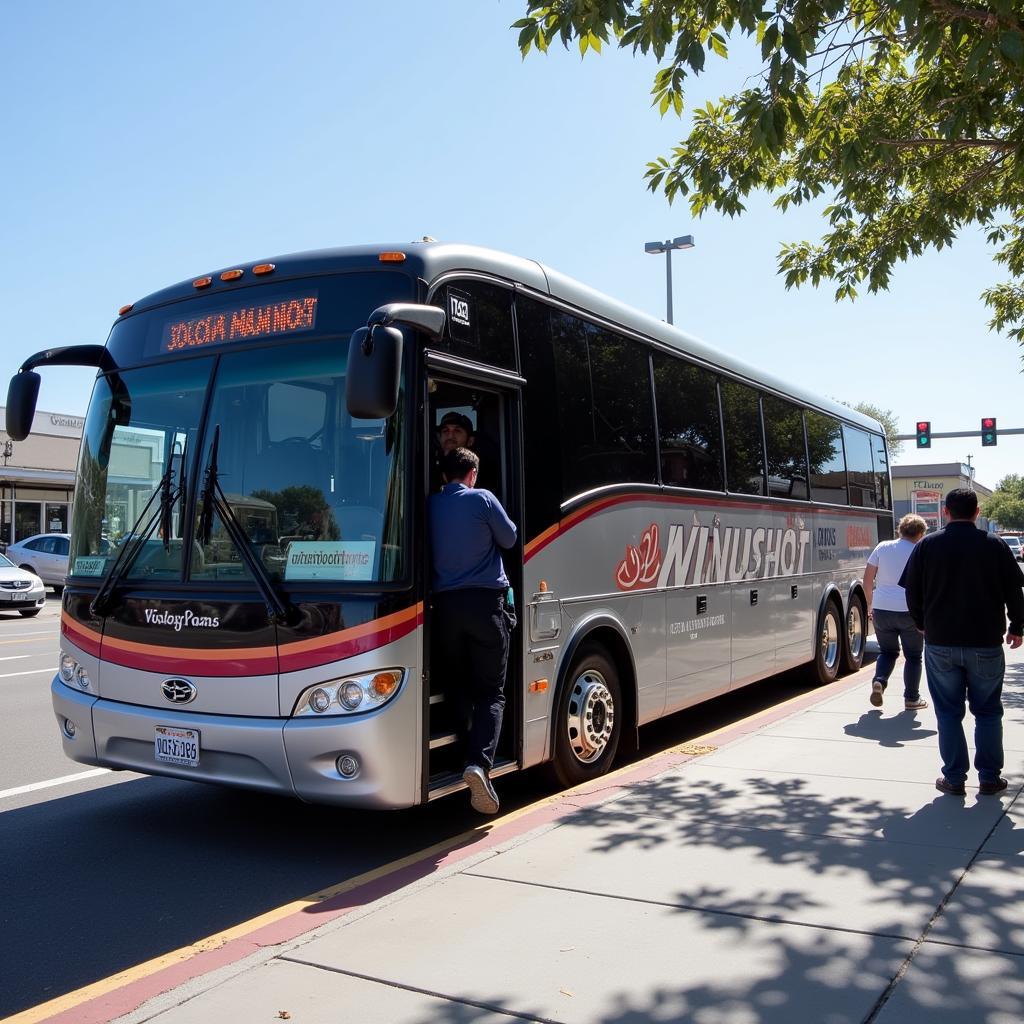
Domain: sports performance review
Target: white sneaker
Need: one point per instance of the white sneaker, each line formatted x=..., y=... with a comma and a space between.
x=877, y=690
x=482, y=797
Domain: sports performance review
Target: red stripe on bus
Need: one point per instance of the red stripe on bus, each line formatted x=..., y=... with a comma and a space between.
x=348, y=648
x=247, y=660
x=87, y=639
x=542, y=540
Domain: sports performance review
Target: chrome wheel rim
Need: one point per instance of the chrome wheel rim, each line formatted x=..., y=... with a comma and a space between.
x=829, y=640
x=591, y=716
x=855, y=630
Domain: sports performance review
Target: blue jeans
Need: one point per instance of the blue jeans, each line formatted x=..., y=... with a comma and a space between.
x=891, y=630
x=974, y=674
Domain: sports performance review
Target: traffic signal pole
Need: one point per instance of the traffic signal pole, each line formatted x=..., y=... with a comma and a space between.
x=960, y=433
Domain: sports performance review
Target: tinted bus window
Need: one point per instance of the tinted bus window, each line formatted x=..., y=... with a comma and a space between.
x=605, y=414
x=689, y=427
x=575, y=406
x=784, y=443
x=828, y=466
x=859, y=467
x=479, y=322
x=744, y=450
x=623, y=410
x=883, y=492
x=540, y=404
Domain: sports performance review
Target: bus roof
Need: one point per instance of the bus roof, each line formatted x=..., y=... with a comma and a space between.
x=429, y=260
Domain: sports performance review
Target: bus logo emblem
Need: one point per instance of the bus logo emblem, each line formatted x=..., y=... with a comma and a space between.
x=178, y=691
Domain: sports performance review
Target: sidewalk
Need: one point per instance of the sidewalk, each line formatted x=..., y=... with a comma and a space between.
x=806, y=870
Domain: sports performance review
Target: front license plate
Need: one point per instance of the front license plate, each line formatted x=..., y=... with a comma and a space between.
x=177, y=746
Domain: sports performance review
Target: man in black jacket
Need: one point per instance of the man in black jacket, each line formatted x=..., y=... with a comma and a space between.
x=960, y=582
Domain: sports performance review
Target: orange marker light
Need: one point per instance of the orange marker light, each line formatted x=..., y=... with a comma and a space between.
x=263, y=268
x=231, y=275
x=538, y=686
x=202, y=282
x=126, y=309
x=384, y=684
x=392, y=257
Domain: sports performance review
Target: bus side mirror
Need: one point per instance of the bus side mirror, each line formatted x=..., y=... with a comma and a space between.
x=375, y=357
x=21, y=404
x=372, y=375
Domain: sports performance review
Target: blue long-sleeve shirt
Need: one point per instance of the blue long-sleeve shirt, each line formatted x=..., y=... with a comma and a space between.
x=467, y=526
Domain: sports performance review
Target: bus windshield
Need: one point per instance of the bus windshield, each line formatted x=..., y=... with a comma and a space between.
x=318, y=495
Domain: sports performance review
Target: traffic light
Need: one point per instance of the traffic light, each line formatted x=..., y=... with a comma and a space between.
x=924, y=434
x=988, y=432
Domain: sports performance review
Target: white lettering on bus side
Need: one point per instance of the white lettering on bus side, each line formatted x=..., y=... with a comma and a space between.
x=703, y=554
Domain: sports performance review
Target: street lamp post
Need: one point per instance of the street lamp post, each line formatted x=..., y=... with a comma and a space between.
x=682, y=242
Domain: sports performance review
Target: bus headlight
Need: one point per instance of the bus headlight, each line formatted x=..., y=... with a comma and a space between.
x=67, y=667
x=319, y=700
x=350, y=694
x=81, y=677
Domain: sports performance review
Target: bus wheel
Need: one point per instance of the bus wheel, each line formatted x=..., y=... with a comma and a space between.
x=856, y=636
x=828, y=645
x=588, y=720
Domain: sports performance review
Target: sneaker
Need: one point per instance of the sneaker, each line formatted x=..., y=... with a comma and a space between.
x=915, y=705
x=877, y=689
x=943, y=785
x=482, y=797
x=991, y=788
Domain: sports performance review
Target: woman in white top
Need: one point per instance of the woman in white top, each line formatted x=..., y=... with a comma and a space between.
x=887, y=608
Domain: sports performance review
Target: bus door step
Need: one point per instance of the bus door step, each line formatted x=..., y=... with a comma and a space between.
x=451, y=782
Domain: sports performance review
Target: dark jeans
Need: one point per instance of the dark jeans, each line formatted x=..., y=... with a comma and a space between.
x=974, y=674
x=472, y=632
x=893, y=629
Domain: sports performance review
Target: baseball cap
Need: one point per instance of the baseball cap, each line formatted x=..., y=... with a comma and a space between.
x=458, y=419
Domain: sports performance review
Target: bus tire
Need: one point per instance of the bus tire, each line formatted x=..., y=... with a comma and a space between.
x=828, y=645
x=588, y=720
x=856, y=635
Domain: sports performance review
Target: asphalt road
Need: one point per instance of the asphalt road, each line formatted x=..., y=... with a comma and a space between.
x=105, y=872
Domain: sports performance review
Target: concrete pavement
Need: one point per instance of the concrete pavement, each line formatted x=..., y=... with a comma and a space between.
x=801, y=867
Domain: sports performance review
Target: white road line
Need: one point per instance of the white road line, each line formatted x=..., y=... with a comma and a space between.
x=41, y=632
x=19, y=657
x=29, y=672
x=63, y=780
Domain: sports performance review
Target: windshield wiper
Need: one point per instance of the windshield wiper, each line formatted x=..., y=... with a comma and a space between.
x=168, y=496
x=213, y=499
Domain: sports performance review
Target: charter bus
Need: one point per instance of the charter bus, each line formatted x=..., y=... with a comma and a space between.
x=265, y=438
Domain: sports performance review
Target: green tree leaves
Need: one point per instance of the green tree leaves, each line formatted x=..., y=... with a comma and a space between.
x=907, y=115
x=1006, y=505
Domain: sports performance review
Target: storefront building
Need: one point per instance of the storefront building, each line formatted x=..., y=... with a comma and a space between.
x=37, y=478
x=923, y=489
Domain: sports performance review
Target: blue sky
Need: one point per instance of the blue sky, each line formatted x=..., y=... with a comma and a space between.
x=145, y=145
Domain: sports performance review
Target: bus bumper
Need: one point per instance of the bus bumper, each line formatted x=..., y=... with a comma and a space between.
x=297, y=757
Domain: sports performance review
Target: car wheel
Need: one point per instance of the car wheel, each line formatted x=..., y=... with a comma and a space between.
x=588, y=720
x=58, y=589
x=29, y=612
x=828, y=645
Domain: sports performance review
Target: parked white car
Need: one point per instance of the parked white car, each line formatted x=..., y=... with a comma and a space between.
x=20, y=590
x=1015, y=547
x=45, y=554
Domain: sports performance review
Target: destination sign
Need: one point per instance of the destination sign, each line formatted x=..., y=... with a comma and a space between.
x=284, y=316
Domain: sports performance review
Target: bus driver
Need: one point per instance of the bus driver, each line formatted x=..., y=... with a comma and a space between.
x=474, y=621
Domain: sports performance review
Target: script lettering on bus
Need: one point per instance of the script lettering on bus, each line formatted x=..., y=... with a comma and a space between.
x=701, y=554
x=285, y=316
